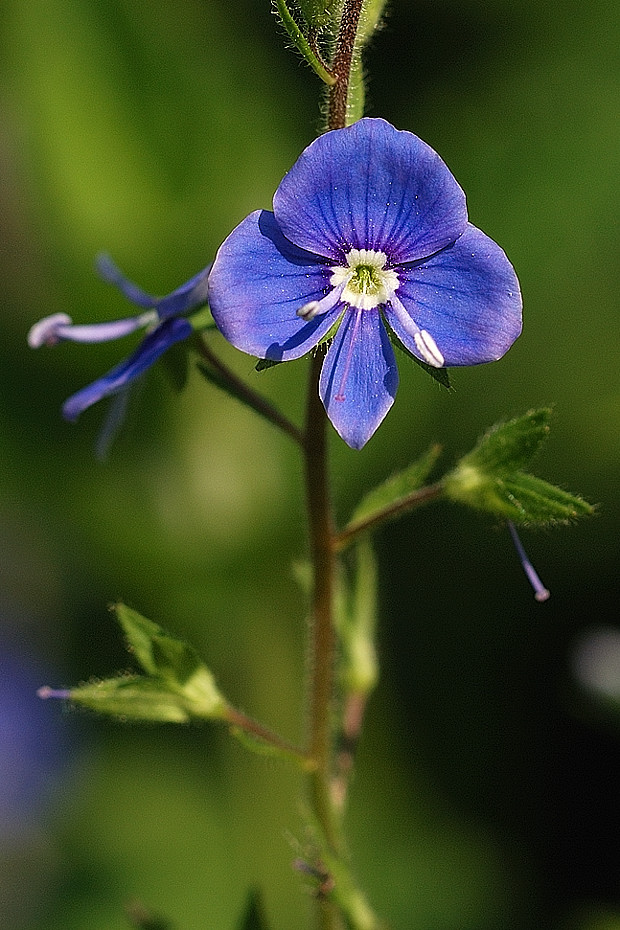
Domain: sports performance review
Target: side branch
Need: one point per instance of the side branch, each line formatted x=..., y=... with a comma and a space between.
x=270, y=740
x=400, y=507
x=220, y=374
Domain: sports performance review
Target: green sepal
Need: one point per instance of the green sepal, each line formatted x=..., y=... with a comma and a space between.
x=490, y=477
x=397, y=487
x=510, y=446
x=173, y=667
x=264, y=364
x=254, y=914
x=370, y=17
x=440, y=375
x=132, y=697
x=524, y=498
x=317, y=13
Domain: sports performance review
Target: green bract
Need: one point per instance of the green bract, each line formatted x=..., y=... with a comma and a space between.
x=177, y=688
x=491, y=476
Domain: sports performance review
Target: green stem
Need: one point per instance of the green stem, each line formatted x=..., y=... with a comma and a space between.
x=303, y=45
x=353, y=530
x=321, y=532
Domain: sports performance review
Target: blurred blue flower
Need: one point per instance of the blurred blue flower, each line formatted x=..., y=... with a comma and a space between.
x=368, y=239
x=163, y=318
x=34, y=748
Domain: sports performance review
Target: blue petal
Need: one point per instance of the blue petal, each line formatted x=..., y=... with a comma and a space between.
x=149, y=350
x=187, y=297
x=111, y=273
x=359, y=377
x=370, y=186
x=466, y=296
x=257, y=284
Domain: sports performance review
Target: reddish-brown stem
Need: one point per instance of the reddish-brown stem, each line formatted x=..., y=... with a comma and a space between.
x=236, y=718
x=341, y=64
x=323, y=637
x=229, y=381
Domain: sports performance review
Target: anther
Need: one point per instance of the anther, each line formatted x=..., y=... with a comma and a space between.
x=540, y=592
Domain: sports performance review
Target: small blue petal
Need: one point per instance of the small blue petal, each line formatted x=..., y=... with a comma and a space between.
x=258, y=282
x=111, y=273
x=359, y=377
x=370, y=186
x=467, y=297
x=187, y=297
x=149, y=350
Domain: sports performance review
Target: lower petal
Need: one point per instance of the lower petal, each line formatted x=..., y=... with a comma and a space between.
x=466, y=297
x=258, y=282
x=150, y=349
x=359, y=377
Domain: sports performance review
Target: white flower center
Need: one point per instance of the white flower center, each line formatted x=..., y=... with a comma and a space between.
x=366, y=282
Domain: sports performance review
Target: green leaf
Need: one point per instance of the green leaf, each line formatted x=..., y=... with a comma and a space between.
x=254, y=914
x=396, y=488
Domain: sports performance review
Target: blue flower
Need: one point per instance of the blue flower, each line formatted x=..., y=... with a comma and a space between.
x=162, y=317
x=368, y=240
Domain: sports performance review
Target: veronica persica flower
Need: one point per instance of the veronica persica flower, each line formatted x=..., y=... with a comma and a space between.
x=164, y=319
x=368, y=240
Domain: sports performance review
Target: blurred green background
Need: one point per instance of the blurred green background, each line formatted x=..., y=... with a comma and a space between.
x=488, y=789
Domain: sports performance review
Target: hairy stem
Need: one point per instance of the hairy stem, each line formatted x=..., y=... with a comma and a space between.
x=341, y=64
x=236, y=718
x=353, y=530
x=323, y=631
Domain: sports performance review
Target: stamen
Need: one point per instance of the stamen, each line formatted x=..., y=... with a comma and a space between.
x=48, y=331
x=540, y=592
x=428, y=348
x=425, y=344
x=340, y=396
x=318, y=307
x=46, y=692
x=58, y=327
